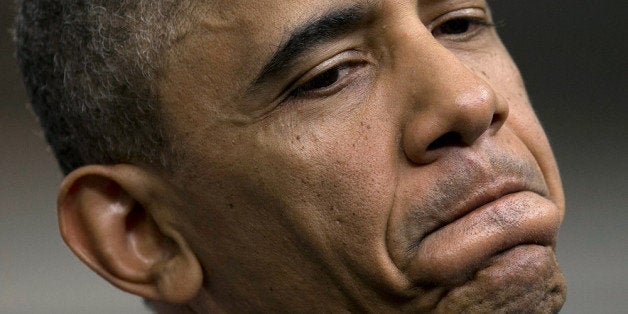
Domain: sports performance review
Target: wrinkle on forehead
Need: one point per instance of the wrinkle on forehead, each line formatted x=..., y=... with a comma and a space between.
x=242, y=31
x=221, y=15
x=265, y=17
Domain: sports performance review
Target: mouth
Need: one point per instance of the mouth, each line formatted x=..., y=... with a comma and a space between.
x=453, y=253
x=477, y=206
x=477, y=199
x=480, y=226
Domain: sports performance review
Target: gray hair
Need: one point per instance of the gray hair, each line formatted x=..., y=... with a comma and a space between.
x=90, y=69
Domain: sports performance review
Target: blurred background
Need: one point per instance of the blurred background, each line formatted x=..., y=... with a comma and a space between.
x=573, y=57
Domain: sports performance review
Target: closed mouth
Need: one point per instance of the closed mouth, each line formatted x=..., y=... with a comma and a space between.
x=495, y=223
x=469, y=207
x=480, y=199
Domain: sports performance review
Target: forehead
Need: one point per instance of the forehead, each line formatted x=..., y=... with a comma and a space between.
x=231, y=40
x=252, y=29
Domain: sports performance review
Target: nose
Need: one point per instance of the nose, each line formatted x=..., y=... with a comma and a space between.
x=451, y=106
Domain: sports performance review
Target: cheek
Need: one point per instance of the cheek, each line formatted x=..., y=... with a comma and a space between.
x=332, y=179
x=523, y=122
x=499, y=70
x=336, y=174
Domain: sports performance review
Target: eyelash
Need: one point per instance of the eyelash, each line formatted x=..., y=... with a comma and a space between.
x=339, y=74
x=310, y=88
x=472, y=27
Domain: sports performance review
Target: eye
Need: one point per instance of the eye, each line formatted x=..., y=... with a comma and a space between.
x=327, y=82
x=323, y=80
x=461, y=26
x=455, y=26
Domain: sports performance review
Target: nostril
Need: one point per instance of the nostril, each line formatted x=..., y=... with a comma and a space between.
x=447, y=139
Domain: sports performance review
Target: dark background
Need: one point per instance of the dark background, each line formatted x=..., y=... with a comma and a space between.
x=573, y=57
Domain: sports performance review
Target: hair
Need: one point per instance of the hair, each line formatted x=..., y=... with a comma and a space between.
x=90, y=69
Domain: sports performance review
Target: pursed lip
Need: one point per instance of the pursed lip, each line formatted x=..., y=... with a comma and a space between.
x=495, y=222
x=480, y=206
x=500, y=187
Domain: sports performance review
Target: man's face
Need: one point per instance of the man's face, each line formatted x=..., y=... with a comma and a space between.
x=361, y=155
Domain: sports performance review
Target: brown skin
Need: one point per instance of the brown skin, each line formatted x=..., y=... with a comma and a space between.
x=418, y=179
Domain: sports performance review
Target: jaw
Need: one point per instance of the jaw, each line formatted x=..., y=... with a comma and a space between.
x=523, y=279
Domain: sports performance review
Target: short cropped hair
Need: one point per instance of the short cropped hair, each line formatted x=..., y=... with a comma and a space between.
x=90, y=70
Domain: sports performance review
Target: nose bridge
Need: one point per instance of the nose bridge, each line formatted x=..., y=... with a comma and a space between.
x=448, y=103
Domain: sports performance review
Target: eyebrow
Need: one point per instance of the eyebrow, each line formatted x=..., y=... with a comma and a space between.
x=316, y=32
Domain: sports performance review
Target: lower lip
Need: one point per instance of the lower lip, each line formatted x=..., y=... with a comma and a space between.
x=452, y=254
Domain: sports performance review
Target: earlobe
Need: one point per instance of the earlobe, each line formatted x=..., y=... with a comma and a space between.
x=112, y=218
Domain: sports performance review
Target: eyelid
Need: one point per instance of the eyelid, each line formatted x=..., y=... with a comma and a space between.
x=478, y=15
x=351, y=57
x=473, y=12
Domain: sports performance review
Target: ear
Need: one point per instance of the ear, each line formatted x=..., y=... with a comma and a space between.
x=117, y=220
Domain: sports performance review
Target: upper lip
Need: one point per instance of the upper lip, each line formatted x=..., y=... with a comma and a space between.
x=501, y=188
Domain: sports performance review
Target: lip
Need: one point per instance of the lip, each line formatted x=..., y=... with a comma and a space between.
x=450, y=218
x=482, y=197
x=500, y=187
x=494, y=193
x=493, y=222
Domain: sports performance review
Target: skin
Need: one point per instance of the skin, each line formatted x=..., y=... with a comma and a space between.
x=419, y=180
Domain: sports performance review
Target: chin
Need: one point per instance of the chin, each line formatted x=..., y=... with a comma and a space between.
x=523, y=279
